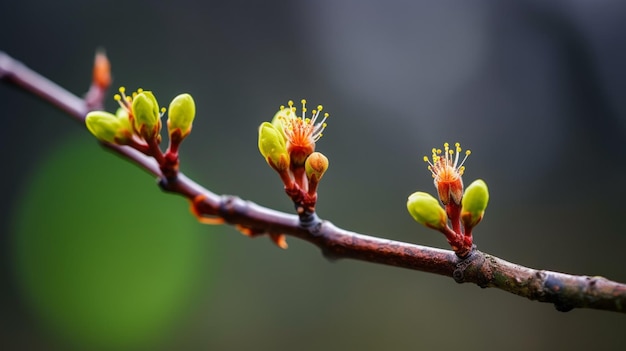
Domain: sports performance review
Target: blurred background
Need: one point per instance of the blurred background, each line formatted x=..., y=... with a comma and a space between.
x=93, y=256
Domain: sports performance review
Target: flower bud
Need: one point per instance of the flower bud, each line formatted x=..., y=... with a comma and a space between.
x=147, y=116
x=315, y=166
x=425, y=209
x=181, y=113
x=101, y=70
x=474, y=203
x=272, y=146
x=108, y=127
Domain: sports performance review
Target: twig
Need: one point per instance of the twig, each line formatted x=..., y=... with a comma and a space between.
x=563, y=290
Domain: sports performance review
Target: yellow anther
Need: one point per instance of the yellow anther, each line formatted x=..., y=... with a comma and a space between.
x=325, y=114
x=140, y=90
x=117, y=97
x=319, y=108
x=445, y=164
x=290, y=103
x=163, y=109
x=122, y=90
x=303, y=101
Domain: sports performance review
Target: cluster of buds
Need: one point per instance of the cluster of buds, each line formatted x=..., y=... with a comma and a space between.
x=137, y=123
x=462, y=208
x=288, y=146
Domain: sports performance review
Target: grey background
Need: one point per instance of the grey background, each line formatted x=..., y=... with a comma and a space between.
x=535, y=89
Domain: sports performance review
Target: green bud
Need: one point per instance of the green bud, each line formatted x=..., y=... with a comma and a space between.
x=474, y=203
x=282, y=114
x=147, y=115
x=272, y=146
x=315, y=166
x=108, y=127
x=122, y=115
x=181, y=113
x=425, y=209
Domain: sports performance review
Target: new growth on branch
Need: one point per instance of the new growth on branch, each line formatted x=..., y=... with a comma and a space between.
x=288, y=143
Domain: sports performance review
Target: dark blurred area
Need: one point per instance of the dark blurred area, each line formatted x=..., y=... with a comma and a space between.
x=93, y=256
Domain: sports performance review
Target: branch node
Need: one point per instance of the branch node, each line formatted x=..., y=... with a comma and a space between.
x=553, y=288
x=311, y=222
x=473, y=259
x=165, y=184
x=229, y=206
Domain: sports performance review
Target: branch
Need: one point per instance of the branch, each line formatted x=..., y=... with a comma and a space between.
x=563, y=290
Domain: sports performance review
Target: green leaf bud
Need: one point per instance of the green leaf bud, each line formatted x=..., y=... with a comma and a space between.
x=121, y=113
x=315, y=166
x=284, y=113
x=272, y=146
x=425, y=209
x=181, y=113
x=146, y=114
x=108, y=127
x=474, y=203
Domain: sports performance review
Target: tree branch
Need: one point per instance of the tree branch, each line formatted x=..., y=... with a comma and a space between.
x=563, y=290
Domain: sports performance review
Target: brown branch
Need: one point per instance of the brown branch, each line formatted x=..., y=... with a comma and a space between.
x=563, y=290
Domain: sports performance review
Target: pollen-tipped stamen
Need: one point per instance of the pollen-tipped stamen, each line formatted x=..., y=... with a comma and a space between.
x=303, y=130
x=123, y=100
x=446, y=162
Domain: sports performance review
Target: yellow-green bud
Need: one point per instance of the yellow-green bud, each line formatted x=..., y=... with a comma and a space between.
x=280, y=116
x=273, y=147
x=147, y=115
x=108, y=127
x=425, y=209
x=474, y=203
x=315, y=166
x=121, y=113
x=181, y=113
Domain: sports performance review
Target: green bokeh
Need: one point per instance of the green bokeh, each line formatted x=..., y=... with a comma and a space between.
x=105, y=259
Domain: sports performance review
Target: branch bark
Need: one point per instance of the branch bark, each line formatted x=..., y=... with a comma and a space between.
x=565, y=291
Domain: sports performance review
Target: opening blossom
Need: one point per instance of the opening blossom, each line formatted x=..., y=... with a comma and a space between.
x=447, y=172
x=462, y=209
x=301, y=133
x=288, y=146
